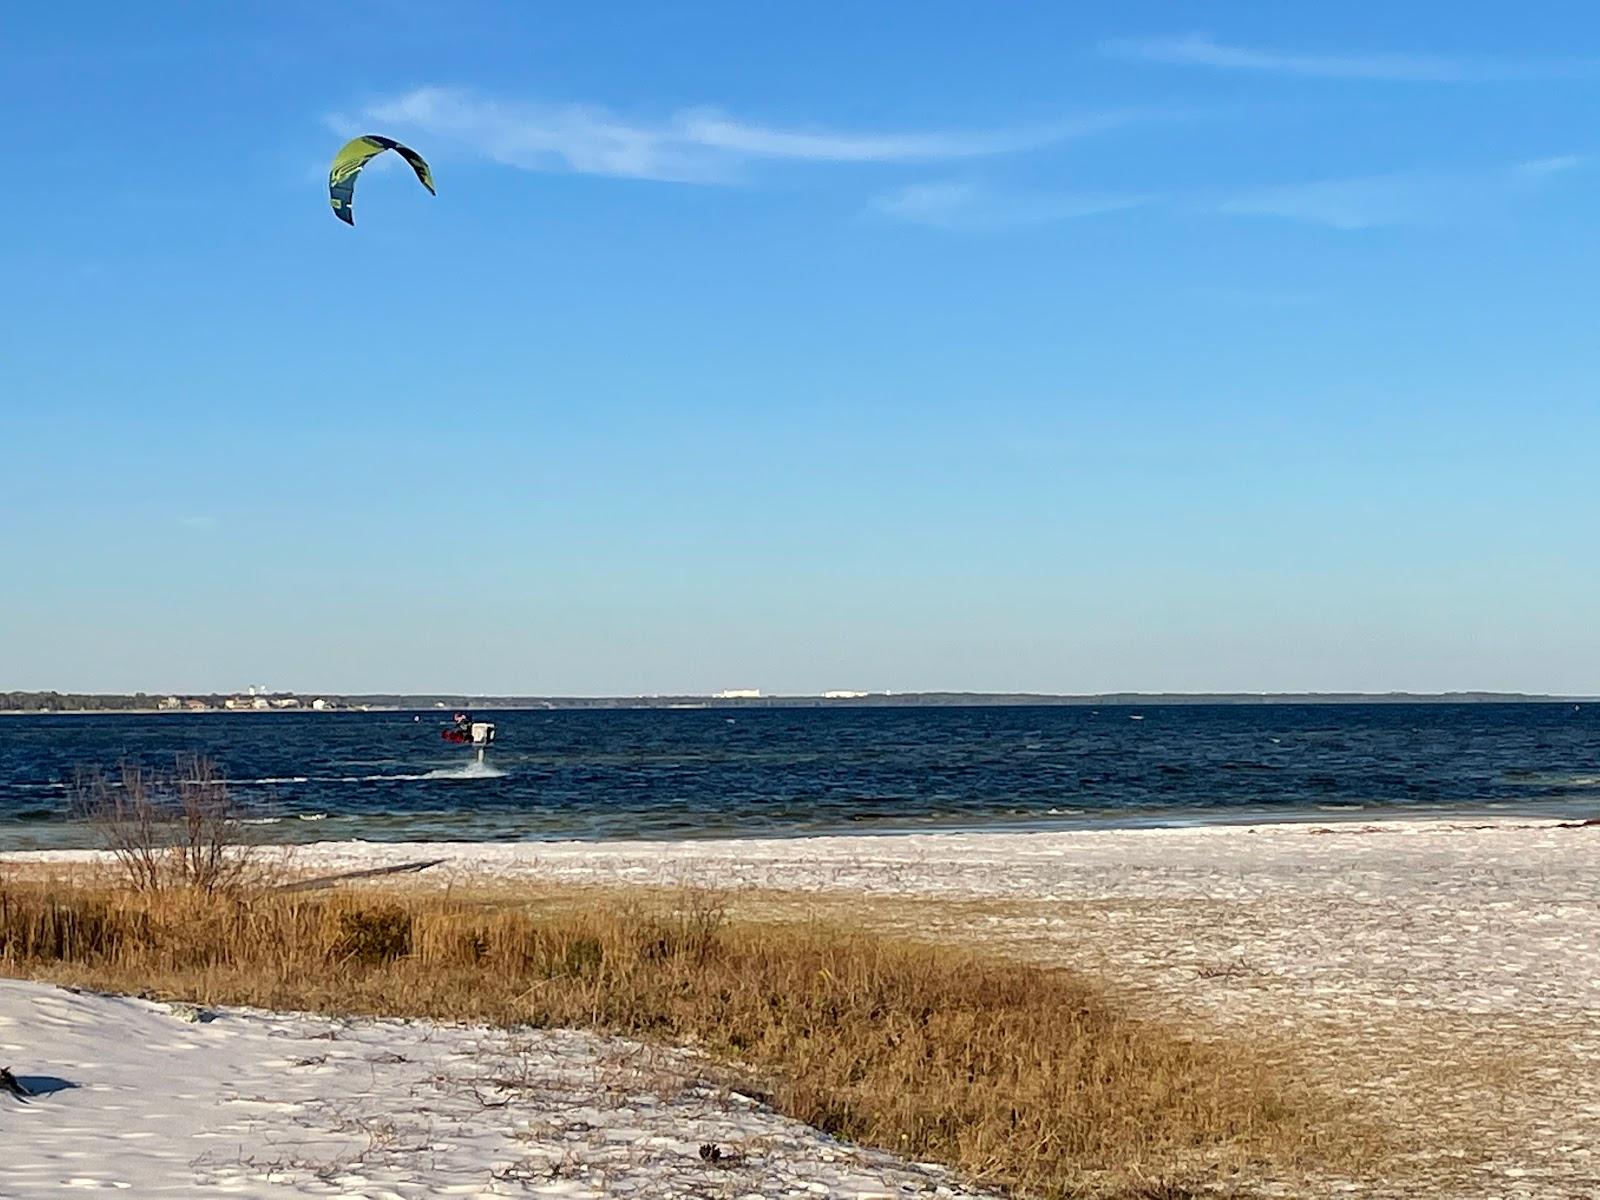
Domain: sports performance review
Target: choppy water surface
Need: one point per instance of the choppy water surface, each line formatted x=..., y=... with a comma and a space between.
x=717, y=772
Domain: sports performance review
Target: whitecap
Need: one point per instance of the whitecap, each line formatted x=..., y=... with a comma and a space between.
x=471, y=770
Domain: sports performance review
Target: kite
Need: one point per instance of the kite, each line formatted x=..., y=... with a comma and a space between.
x=354, y=155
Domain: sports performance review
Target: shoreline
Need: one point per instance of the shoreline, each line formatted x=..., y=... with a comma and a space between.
x=1329, y=818
x=1446, y=972
x=1209, y=861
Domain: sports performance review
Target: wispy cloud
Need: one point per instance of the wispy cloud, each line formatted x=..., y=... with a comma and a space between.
x=1202, y=50
x=1416, y=197
x=1538, y=167
x=1400, y=198
x=975, y=207
x=697, y=145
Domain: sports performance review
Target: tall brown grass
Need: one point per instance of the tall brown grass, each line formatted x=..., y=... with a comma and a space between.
x=1017, y=1075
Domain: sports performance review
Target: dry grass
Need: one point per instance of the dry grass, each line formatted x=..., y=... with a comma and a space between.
x=1020, y=1076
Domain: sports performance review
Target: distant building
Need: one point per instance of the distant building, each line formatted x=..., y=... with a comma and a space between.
x=739, y=694
x=260, y=702
x=321, y=705
x=196, y=705
x=286, y=702
x=170, y=702
x=843, y=695
x=235, y=702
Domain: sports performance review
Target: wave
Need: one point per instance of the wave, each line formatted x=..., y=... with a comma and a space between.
x=471, y=770
x=1553, y=779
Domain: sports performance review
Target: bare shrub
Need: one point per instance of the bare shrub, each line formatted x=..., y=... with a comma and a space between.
x=178, y=830
x=128, y=817
x=211, y=851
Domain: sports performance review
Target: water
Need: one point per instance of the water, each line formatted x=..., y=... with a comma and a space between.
x=722, y=772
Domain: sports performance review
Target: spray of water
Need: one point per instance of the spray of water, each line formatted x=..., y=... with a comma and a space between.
x=477, y=769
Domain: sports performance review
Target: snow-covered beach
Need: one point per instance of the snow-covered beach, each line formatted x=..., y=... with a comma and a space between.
x=158, y=1100
x=1447, y=973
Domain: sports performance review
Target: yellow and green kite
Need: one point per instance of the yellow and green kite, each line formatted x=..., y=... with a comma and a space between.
x=354, y=155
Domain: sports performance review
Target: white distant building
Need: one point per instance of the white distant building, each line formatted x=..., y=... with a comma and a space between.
x=843, y=695
x=260, y=702
x=286, y=702
x=739, y=694
x=320, y=705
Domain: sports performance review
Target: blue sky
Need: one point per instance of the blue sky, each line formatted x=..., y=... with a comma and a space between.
x=1027, y=347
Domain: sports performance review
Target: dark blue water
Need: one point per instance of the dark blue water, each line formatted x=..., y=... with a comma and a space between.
x=716, y=772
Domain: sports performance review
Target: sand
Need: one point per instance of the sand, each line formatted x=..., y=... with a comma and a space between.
x=1446, y=973
x=154, y=1100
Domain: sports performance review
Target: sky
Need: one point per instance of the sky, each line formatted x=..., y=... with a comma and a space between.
x=1026, y=347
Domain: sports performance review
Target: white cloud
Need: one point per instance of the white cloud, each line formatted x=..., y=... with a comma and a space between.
x=1201, y=50
x=1551, y=166
x=696, y=145
x=1345, y=203
x=714, y=131
x=1400, y=198
x=971, y=206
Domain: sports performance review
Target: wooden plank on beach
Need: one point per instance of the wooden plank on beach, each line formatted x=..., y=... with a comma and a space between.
x=322, y=881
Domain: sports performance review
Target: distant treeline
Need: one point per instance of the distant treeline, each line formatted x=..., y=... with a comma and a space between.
x=937, y=700
x=89, y=702
x=73, y=701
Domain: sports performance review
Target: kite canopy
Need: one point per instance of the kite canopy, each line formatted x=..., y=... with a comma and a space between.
x=354, y=155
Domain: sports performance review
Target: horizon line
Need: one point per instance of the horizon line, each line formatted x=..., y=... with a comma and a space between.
x=755, y=698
